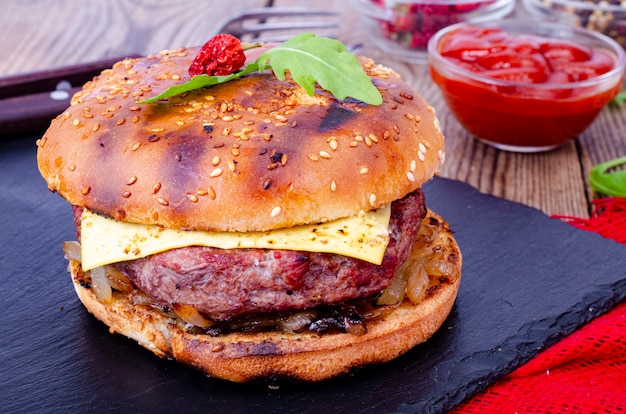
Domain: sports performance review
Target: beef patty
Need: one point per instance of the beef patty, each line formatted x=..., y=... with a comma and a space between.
x=223, y=284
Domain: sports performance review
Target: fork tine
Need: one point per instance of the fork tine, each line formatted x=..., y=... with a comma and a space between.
x=245, y=23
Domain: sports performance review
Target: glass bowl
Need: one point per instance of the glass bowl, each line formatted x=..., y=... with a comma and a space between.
x=402, y=28
x=528, y=96
x=605, y=16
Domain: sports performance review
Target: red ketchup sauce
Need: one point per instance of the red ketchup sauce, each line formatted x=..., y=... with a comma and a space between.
x=528, y=113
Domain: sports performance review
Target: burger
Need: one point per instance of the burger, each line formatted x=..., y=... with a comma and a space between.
x=251, y=229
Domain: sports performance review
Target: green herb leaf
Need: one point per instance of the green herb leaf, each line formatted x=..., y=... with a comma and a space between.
x=328, y=62
x=609, y=183
x=309, y=59
x=201, y=81
x=619, y=98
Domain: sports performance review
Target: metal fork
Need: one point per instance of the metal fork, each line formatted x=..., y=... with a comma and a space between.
x=276, y=24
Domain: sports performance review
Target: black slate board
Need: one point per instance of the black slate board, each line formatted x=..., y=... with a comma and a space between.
x=528, y=280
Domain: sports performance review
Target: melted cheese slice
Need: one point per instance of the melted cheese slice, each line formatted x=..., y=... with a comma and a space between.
x=105, y=241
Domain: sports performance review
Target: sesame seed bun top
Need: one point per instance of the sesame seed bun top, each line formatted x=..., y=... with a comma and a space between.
x=252, y=154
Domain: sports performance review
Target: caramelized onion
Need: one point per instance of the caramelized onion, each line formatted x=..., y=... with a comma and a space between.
x=100, y=285
x=72, y=251
x=416, y=285
x=118, y=280
x=298, y=322
x=190, y=315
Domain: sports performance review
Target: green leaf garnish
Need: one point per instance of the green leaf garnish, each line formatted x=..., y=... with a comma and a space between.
x=309, y=59
x=609, y=183
x=619, y=98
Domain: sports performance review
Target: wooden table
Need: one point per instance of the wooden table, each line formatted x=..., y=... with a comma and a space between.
x=43, y=34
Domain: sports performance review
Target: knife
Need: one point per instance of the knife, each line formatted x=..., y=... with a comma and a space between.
x=29, y=101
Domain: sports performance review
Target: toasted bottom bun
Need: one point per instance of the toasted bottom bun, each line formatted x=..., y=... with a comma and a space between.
x=244, y=357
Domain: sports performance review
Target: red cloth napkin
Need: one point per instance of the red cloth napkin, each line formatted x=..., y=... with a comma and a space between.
x=583, y=373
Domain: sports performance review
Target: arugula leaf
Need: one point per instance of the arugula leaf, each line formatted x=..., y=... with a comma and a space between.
x=201, y=81
x=309, y=59
x=326, y=61
x=609, y=183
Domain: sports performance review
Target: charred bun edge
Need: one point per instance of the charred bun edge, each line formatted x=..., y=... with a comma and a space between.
x=265, y=357
x=253, y=154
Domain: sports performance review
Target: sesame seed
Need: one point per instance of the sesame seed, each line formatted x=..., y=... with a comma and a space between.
x=234, y=151
x=372, y=200
x=211, y=192
x=283, y=159
x=217, y=347
x=226, y=132
x=421, y=156
x=275, y=211
x=437, y=125
x=421, y=147
x=227, y=118
x=413, y=165
x=396, y=129
x=134, y=108
x=155, y=216
x=333, y=143
x=131, y=180
x=410, y=176
x=368, y=141
x=71, y=167
x=192, y=197
x=202, y=192
x=136, y=146
x=176, y=77
x=408, y=116
x=156, y=188
x=162, y=201
x=126, y=194
x=373, y=137
x=76, y=122
x=121, y=121
x=216, y=172
x=232, y=166
x=418, y=118
x=216, y=160
x=442, y=156
x=134, y=119
x=313, y=157
x=333, y=186
x=85, y=190
x=364, y=170
x=248, y=93
x=324, y=154
x=353, y=144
